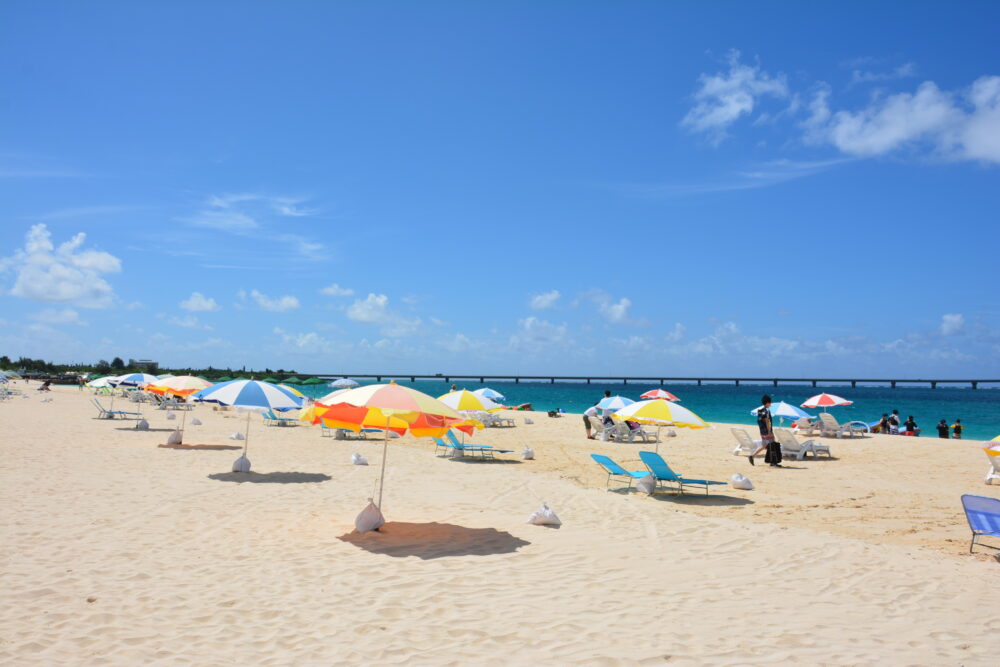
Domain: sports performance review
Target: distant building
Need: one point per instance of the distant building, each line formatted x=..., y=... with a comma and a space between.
x=144, y=364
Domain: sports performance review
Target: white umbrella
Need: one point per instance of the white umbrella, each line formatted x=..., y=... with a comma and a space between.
x=328, y=399
x=343, y=383
x=252, y=396
x=825, y=401
x=135, y=379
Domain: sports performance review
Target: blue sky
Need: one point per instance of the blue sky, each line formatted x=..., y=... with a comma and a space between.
x=517, y=187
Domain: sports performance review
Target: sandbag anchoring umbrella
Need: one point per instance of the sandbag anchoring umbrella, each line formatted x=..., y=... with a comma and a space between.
x=252, y=396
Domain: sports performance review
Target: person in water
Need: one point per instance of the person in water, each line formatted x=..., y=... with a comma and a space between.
x=910, y=426
x=956, y=429
x=942, y=428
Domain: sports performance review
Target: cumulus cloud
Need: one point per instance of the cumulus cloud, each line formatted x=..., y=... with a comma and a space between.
x=336, y=290
x=904, y=71
x=533, y=330
x=952, y=323
x=544, y=301
x=280, y=304
x=676, y=334
x=615, y=312
x=199, y=303
x=374, y=309
x=63, y=274
x=187, y=322
x=722, y=98
x=53, y=316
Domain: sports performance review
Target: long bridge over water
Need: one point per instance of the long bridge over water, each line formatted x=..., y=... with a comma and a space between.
x=552, y=379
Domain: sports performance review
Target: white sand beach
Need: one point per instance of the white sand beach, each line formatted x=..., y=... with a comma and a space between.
x=116, y=550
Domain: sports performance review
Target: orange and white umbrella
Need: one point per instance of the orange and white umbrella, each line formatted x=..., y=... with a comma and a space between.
x=659, y=393
x=182, y=385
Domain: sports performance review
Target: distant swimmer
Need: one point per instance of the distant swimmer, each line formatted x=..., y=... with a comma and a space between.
x=956, y=429
x=942, y=428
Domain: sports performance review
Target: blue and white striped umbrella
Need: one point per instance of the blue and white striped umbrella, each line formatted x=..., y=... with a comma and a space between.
x=135, y=379
x=614, y=403
x=783, y=410
x=491, y=394
x=251, y=394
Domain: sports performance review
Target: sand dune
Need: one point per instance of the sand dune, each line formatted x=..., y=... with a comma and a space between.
x=117, y=550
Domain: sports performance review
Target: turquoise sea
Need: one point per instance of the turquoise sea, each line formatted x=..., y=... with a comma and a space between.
x=979, y=409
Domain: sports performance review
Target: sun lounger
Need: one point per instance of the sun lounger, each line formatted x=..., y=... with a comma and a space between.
x=746, y=445
x=272, y=419
x=456, y=442
x=662, y=472
x=831, y=427
x=806, y=425
x=983, y=515
x=993, y=474
x=624, y=433
x=615, y=470
x=114, y=414
x=790, y=445
x=486, y=452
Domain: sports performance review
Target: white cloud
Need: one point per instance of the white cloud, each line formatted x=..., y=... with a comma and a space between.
x=952, y=323
x=722, y=98
x=533, y=330
x=188, y=322
x=374, y=309
x=224, y=220
x=63, y=275
x=904, y=71
x=53, y=316
x=280, y=304
x=616, y=312
x=676, y=334
x=336, y=290
x=544, y=301
x=199, y=303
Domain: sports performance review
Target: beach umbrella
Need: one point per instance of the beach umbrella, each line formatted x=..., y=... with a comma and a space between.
x=313, y=381
x=825, y=401
x=135, y=379
x=181, y=385
x=467, y=401
x=612, y=403
x=101, y=382
x=250, y=395
x=292, y=380
x=659, y=393
x=271, y=380
x=783, y=410
x=491, y=394
x=225, y=378
x=329, y=398
x=391, y=401
x=659, y=411
x=293, y=390
x=343, y=383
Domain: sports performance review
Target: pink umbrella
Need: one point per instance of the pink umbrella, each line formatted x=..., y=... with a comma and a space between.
x=825, y=401
x=659, y=393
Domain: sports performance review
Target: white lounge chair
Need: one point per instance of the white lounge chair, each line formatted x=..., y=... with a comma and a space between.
x=993, y=474
x=790, y=445
x=622, y=432
x=806, y=425
x=831, y=427
x=746, y=445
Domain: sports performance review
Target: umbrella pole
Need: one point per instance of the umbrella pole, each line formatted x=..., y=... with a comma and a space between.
x=184, y=419
x=385, y=450
x=246, y=436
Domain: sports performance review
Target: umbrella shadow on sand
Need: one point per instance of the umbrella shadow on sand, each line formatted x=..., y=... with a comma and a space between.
x=702, y=500
x=147, y=430
x=434, y=540
x=271, y=477
x=200, y=447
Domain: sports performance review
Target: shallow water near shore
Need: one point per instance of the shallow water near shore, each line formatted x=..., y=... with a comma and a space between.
x=979, y=409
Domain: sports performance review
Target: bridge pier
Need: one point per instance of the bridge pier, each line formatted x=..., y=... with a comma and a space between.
x=892, y=383
x=378, y=378
x=517, y=380
x=775, y=383
x=737, y=383
x=552, y=380
x=699, y=383
x=624, y=380
x=975, y=385
x=854, y=384
x=482, y=380
x=661, y=382
x=447, y=380
x=588, y=380
x=814, y=384
x=933, y=385
x=413, y=378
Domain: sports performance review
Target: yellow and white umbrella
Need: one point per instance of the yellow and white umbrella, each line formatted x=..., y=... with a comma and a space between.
x=466, y=401
x=292, y=390
x=659, y=411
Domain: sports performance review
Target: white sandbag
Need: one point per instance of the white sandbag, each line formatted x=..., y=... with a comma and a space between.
x=739, y=481
x=241, y=464
x=142, y=425
x=195, y=422
x=236, y=436
x=171, y=415
x=544, y=517
x=529, y=420
x=358, y=460
x=370, y=518
x=671, y=433
x=528, y=454
x=646, y=484
x=174, y=438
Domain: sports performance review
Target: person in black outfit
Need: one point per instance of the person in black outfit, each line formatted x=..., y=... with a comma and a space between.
x=767, y=442
x=910, y=425
x=942, y=428
x=956, y=429
x=883, y=425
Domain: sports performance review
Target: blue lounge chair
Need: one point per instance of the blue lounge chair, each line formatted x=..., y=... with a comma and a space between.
x=114, y=414
x=615, y=470
x=271, y=418
x=458, y=443
x=482, y=451
x=662, y=472
x=983, y=515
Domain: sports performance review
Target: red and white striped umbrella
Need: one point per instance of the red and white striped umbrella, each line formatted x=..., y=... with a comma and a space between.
x=659, y=393
x=825, y=401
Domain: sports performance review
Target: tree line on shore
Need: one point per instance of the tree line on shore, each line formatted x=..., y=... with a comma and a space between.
x=118, y=366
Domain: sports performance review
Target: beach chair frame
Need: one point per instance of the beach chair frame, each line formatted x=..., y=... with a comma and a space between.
x=983, y=515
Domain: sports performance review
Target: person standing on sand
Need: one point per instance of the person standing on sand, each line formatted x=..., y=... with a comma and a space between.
x=767, y=442
x=590, y=414
x=942, y=428
x=956, y=429
x=454, y=387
